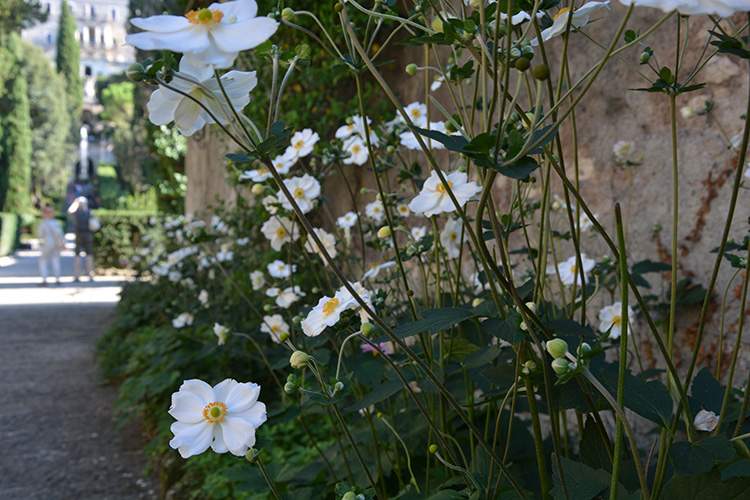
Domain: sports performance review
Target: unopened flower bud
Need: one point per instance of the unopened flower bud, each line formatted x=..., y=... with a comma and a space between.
x=338, y=386
x=252, y=455
x=515, y=53
x=541, y=72
x=433, y=448
x=297, y=320
x=257, y=189
x=411, y=69
x=136, y=72
x=287, y=14
x=529, y=365
x=338, y=7
x=367, y=329
x=450, y=127
x=561, y=366
x=645, y=56
x=522, y=64
x=687, y=112
x=299, y=359
x=289, y=387
x=475, y=4
x=283, y=336
x=363, y=191
x=291, y=378
x=384, y=232
x=390, y=149
x=476, y=302
x=349, y=495
x=267, y=308
x=584, y=349
x=557, y=348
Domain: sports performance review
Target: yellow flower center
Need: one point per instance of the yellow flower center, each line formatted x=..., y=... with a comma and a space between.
x=215, y=412
x=281, y=232
x=205, y=17
x=299, y=144
x=454, y=236
x=299, y=193
x=573, y=269
x=330, y=306
x=441, y=187
x=275, y=328
x=562, y=11
x=356, y=148
x=617, y=320
x=416, y=113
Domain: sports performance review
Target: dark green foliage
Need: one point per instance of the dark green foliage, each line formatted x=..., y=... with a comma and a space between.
x=19, y=14
x=49, y=126
x=68, y=63
x=10, y=233
x=15, y=127
x=118, y=239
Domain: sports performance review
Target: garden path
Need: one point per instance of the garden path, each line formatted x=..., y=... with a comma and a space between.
x=58, y=439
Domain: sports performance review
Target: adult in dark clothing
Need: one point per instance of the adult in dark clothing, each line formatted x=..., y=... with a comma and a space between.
x=81, y=215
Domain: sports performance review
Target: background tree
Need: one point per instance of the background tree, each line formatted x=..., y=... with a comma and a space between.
x=15, y=127
x=69, y=65
x=49, y=127
x=19, y=14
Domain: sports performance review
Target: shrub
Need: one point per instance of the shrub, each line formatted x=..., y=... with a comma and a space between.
x=10, y=233
x=119, y=236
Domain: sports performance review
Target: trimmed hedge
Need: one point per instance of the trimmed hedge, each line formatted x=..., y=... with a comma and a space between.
x=120, y=236
x=10, y=233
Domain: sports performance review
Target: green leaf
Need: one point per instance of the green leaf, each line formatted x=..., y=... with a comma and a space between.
x=502, y=377
x=582, y=482
x=593, y=450
x=240, y=157
x=630, y=36
x=515, y=143
x=708, y=486
x=481, y=357
x=649, y=266
x=458, y=348
x=435, y=320
x=738, y=468
x=691, y=459
x=708, y=391
x=451, y=142
x=666, y=74
x=378, y=394
x=503, y=330
x=520, y=169
x=650, y=400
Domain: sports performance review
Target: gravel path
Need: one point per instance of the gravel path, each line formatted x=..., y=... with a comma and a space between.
x=57, y=430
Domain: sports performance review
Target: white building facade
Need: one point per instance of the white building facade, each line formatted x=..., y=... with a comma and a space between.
x=100, y=31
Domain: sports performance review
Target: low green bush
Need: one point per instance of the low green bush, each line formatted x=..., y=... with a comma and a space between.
x=10, y=233
x=119, y=236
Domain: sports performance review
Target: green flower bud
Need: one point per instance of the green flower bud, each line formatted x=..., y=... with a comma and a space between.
x=584, y=349
x=349, y=495
x=450, y=127
x=411, y=69
x=252, y=455
x=541, y=72
x=338, y=386
x=384, y=232
x=522, y=64
x=433, y=448
x=338, y=7
x=557, y=348
x=476, y=302
x=299, y=359
x=289, y=387
x=502, y=29
x=297, y=320
x=268, y=308
x=367, y=329
x=561, y=366
x=515, y=53
x=291, y=378
x=283, y=336
x=462, y=168
x=390, y=149
x=287, y=14
x=257, y=189
x=529, y=365
x=645, y=56
x=363, y=191
x=136, y=72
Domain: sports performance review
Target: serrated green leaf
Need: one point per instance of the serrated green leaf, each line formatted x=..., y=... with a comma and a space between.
x=582, y=482
x=708, y=391
x=708, y=486
x=378, y=394
x=738, y=468
x=691, y=459
x=434, y=321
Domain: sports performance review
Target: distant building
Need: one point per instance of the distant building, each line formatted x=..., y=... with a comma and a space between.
x=101, y=30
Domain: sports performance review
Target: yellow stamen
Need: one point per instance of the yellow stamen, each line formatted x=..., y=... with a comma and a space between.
x=281, y=232
x=330, y=306
x=299, y=144
x=299, y=193
x=441, y=187
x=617, y=320
x=562, y=11
x=215, y=412
x=205, y=17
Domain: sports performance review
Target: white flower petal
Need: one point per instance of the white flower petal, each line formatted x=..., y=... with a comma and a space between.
x=224, y=388
x=193, y=439
x=160, y=24
x=238, y=434
x=242, y=397
x=244, y=35
x=199, y=388
x=187, y=407
x=218, y=444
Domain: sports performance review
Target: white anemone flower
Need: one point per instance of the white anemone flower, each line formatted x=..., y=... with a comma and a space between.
x=213, y=36
x=611, y=317
x=285, y=298
x=302, y=144
x=260, y=174
x=271, y=204
x=328, y=241
x=257, y=280
x=203, y=298
x=274, y=326
x=305, y=191
x=568, y=270
x=376, y=268
x=580, y=18
x=418, y=232
x=166, y=105
x=223, y=417
x=417, y=113
x=280, y=230
x=357, y=128
x=221, y=332
x=434, y=199
x=348, y=220
x=409, y=138
x=280, y=269
x=450, y=237
x=327, y=312
x=357, y=151
x=375, y=211
x=623, y=149
x=184, y=319
x=722, y=8
x=706, y=421
x=402, y=209
x=437, y=83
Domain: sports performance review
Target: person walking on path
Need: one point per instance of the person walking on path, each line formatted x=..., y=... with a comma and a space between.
x=81, y=216
x=52, y=241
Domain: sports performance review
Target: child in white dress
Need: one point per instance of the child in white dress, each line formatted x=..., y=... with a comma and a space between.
x=51, y=237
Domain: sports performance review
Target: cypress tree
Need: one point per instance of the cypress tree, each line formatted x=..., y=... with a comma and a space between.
x=15, y=128
x=69, y=64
